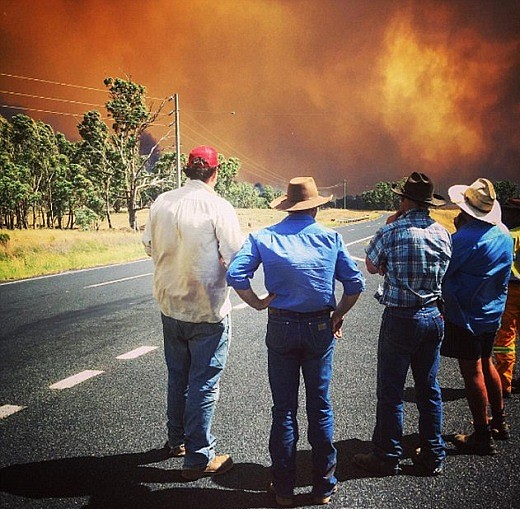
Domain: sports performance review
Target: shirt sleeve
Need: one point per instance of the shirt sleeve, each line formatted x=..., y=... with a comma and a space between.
x=347, y=271
x=375, y=251
x=243, y=266
x=146, y=239
x=228, y=233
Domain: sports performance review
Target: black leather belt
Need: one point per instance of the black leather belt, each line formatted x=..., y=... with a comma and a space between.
x=297, y=314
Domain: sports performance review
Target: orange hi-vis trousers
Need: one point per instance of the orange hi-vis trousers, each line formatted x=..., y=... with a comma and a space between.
x=504, y=348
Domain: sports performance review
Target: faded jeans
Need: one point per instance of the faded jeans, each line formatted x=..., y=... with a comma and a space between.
x=196, y=354
x=409, y=337
x=296, y=344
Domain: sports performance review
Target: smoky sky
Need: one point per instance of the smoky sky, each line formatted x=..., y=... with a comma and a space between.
x=337, y=89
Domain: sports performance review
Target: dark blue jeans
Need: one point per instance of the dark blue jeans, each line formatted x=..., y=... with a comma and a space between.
x=409, y=337
x=296, y=344
x=196, y=354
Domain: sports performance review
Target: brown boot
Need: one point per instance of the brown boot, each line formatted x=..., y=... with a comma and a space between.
x=218, y=465
x=476, y=443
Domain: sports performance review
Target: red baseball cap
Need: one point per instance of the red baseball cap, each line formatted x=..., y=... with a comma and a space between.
x=208, y=155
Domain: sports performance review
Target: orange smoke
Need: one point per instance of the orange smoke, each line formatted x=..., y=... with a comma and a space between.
x=342, y=89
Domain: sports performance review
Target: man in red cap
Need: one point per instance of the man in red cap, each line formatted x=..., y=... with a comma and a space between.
x=192, y=234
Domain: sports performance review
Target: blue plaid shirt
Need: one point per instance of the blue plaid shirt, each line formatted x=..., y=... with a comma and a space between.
x=414, y=252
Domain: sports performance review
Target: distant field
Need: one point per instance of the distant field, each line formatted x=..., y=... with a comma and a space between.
x=31, y=253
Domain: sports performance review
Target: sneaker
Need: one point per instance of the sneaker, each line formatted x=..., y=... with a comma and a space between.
x=475, y=444
x=175, y=452
x=371, y=463
x=218, y=465
x=281, y=501
x=425, y=465
x=326, y=499
x=500, y=430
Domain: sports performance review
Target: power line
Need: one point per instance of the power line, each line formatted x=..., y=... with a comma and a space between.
x=24, y=108
x=59, y=99
x=51, y=82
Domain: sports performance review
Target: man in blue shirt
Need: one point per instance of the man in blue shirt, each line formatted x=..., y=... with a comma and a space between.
x=412, y=252
x=474, y=291
x=301, y=261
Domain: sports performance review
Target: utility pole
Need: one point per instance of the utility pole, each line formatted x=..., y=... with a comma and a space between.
x=344, y=193
x=177, y=140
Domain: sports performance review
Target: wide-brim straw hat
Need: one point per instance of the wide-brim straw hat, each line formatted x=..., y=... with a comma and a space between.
x=302, y=194
x=418, y=187
x=479, y=200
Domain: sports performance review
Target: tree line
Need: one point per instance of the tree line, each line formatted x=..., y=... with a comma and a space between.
x=49, y=181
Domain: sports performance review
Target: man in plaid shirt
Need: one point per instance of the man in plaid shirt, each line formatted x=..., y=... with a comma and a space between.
x=412, y=252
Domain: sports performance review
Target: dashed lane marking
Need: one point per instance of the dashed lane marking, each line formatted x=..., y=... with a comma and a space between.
x=7, y=410
x=142, y=350
x=73, y=380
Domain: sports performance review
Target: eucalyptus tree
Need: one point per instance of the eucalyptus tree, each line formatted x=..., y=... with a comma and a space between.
x=132, y=117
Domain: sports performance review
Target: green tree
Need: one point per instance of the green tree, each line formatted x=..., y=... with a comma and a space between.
x=382, y=196
x=506, y=189
x=102, y=165
x=132, y=117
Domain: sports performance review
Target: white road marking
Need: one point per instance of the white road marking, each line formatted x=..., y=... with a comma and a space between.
x=118, y=280
x=73, y=380
x=357, y=259
x=67, y=272
x=137, y=352
x=7, y=410
x=358, y=241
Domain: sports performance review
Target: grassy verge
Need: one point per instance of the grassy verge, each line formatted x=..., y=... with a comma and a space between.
x=30, y=253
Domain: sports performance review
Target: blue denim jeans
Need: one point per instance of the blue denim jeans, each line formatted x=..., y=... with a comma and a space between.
x=409, y=337
x=307, y=345
x=196, y=354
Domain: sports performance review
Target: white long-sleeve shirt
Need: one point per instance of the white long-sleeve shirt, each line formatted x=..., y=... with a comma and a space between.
x=191, y=233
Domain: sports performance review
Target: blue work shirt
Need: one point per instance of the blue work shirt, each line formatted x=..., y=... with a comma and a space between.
x=414, y=251
x=301, y=261
x=475, y=285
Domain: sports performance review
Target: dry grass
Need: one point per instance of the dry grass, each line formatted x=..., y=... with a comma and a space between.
x=31, y=253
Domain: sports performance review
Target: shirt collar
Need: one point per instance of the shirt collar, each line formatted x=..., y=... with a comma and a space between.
x=300, y=217
x=416, y=212
x=199, y=184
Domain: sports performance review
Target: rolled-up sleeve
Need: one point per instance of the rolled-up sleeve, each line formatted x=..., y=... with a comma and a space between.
x=243, y=266
x=347, y=272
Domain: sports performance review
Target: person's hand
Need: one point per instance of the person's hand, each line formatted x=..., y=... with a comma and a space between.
x=264, y=303
x=336, y=321
x=396, y=215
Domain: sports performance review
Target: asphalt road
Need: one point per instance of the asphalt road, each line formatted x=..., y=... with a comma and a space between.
x=97, y=444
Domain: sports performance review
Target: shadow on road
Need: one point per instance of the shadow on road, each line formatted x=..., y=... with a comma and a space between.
x=122, y=481
x=448, y=394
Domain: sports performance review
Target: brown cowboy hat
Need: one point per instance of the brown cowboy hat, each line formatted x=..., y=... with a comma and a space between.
x=302, y=194
x=479, y=200
x=418, y=187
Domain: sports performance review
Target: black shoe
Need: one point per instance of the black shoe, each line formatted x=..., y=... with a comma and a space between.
x=481, y=444
x=371, y=463
x=426, y=465
x=500, y=430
